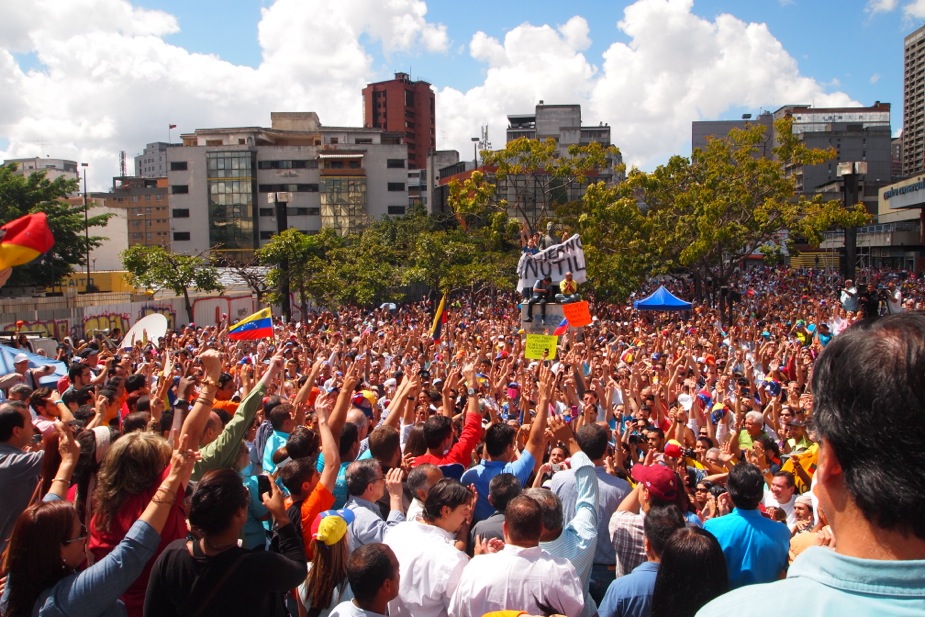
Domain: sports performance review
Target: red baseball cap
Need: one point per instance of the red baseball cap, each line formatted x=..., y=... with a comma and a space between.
x=658, y=480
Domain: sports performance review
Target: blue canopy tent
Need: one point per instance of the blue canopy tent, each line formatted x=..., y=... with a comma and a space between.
x=35, y=361
x=662, y=300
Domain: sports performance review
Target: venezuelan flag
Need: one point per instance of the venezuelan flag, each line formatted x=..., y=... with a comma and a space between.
x=24, y=239
x=257, y=326
x=439, y=320
x=562, y=328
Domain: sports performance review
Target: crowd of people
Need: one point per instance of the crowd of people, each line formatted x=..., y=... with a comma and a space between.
x=663, y=464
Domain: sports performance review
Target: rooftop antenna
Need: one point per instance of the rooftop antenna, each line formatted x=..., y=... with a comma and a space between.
x=122, y=163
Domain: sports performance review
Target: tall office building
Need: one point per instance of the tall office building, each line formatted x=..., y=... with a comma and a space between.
x=225, y=182
x=403, y=106
x=914, y=103
x=152, y=163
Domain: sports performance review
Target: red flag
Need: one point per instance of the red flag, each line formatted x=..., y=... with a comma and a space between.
x=24, y=239
x=171, y=126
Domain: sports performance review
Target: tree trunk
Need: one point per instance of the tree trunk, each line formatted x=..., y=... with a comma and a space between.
x=189, y=306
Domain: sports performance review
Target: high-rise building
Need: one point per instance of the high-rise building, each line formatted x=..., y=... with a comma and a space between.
x=404, y=106
x=224, y=183
x=914, y=103
x=704, y=130
x=53, y=168
x=145, y=202
x=856, y=134
x=152, y=163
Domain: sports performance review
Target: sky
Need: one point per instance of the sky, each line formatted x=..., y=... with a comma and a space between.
x=86, y=79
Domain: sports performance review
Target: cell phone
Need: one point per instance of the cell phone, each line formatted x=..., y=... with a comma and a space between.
x=263, y=484
x=555, y=467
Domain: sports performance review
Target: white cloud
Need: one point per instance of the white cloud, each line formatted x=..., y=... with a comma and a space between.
x=676, y=67
x=107, y=79
x=914, y=9
x=881, y=6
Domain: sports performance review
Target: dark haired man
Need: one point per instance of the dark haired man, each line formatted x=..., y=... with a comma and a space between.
x=657, y=486
x=501, y=490
x=373, y=574
x=438, y=431
x=631, y=595
x=875, y=505
x=500, y=457
x=755, y=547
x=522, y=574
x=611, y=490
x=19, y=470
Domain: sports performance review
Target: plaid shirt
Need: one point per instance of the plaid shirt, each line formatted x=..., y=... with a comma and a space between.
x=628, y=537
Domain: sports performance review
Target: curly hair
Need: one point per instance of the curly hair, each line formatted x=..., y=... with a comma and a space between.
x=132, y=466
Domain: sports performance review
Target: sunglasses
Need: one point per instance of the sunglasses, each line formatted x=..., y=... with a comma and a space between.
x=80, y=538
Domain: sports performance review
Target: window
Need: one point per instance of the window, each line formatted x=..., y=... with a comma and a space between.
x=364, y=140
x=181, y=213
x=266, y=211
x=177, y=189
x=396, y=186
x=178, y=166
x=284, y=164
x=395, y=163
x=266, y=235
x=396, y=210
x=305, y=211
x=181, y=236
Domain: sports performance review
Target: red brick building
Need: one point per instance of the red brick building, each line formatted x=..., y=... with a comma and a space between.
x=407, y=107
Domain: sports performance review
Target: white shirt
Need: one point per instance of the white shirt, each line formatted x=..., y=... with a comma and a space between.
x=349, y=609
x=430, y=567
x=770, y=501
x=521, y=578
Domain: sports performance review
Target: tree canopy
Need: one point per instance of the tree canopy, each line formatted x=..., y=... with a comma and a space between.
x=703, y=215
x=21, y=195
x=155, y=268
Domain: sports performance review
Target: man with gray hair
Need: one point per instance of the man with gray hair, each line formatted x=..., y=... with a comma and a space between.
x=753, y=429
x=366, y=484
x=420, y=479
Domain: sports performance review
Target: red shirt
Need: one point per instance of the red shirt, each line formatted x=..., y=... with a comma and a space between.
x=461, y=452
x=102, y=543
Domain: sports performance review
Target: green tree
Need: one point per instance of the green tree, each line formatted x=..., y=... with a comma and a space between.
x=703, y=215
x=307, y=260
x=21, y=195
x=156, y=269
x=529, y=179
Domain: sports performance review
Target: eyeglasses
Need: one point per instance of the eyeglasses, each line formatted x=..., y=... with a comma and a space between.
x=80, y=538
x=701, y=489
x=713, y=461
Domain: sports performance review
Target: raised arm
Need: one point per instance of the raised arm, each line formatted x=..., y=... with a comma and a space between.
x=330, y=447
x=302, y=397
x=196, y=421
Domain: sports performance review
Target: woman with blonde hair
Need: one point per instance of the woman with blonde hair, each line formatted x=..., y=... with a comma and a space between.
x=134, y=467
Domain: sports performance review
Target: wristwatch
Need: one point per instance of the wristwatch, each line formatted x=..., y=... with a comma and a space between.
x=471, y=391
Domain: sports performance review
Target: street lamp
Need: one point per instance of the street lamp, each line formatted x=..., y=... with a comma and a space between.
x=849, y=172
x=90, y=287
x=280, y=201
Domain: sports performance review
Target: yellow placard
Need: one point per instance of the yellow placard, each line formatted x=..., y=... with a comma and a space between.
x=577, y=313
x=537, y=344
